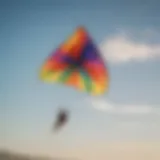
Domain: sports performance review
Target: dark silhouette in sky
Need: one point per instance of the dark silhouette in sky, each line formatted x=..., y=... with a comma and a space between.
x=61, y=119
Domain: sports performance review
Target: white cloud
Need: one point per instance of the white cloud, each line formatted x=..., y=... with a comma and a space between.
x=113, y=108
x=122, y=48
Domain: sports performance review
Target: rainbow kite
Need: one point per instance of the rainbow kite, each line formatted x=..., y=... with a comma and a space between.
x=77, y=63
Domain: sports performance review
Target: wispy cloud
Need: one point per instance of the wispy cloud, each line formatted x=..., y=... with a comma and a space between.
x=113, y=108
x=122, y=48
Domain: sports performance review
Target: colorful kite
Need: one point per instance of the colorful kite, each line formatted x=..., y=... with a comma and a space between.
x=77, y=63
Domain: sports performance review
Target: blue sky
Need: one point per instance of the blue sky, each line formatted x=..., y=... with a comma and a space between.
x=127, y=34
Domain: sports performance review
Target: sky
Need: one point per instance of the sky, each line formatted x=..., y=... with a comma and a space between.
x=124, y=122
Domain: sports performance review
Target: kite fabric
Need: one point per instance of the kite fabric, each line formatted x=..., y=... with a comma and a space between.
x=77, y=63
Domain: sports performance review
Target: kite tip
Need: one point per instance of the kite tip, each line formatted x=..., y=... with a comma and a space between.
x=81, y=28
